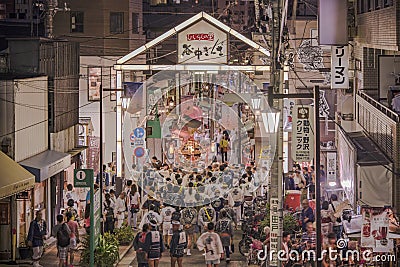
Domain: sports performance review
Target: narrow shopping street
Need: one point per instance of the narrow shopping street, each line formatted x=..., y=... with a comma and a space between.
x=132, y=125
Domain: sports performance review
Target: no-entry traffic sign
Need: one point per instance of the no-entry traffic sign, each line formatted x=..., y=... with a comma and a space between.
x=139, y=152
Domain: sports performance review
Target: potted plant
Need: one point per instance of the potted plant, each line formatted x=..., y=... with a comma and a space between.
x=106, y=253
x=23, y=249
x=125, y=235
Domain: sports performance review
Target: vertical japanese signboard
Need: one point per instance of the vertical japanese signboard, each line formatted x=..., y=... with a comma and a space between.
x=274, y=225
x=323, y=105
x=340, y=67
x=375, y=229
x=302, y=134
x=331, y=167
x=94, y=86
x=95, y=226
x=93, y=153
x=202, y=43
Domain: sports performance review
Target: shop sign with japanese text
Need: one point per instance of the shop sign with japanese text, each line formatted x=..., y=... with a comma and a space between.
x=202, y=43
x=274, y=227
x=303, y=135
x=340, y=67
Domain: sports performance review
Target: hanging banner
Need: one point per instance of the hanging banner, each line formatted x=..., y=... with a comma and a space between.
x=323, y=105
x=375, y=229
x=93, y=153
x=340, y=67
x=302, y=133
x=288, y=105
x=202, y=43
x=113, y=84
x=94, y=85
x=331, y=168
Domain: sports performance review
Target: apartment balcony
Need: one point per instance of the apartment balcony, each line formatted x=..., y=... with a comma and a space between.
x=381, y=123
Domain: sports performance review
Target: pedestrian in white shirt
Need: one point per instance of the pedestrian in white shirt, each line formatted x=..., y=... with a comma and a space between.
x=166, y=215
x=237, y=195
x=120, y=209
x=211, y=243
x=71, y=194
x=151, y=215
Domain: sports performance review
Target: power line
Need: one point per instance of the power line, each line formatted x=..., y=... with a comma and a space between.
x=43, y=121
x=85, y=41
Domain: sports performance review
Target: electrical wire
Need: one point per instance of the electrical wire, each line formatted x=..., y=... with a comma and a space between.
x=43, y=121
x=94, y=38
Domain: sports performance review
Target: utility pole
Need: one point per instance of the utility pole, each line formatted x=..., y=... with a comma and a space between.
x=52, y=9
x=317, y=160
x=276, y=84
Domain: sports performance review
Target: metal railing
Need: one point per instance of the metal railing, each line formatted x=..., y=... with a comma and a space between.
x=386, y=110
x=380, y=122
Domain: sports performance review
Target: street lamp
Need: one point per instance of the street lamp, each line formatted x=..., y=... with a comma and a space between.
x=256, y=102
x=271, y=120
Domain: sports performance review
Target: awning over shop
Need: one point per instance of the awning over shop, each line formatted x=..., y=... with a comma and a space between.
x=47, y=164
x=13, y=177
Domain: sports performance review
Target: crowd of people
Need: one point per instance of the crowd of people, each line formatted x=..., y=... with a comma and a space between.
x=182, y=209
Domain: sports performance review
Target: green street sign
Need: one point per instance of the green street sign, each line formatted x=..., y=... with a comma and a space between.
x=83, y=177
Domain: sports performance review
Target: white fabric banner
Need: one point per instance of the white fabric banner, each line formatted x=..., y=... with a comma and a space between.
x=375, y=185
x=346, y=167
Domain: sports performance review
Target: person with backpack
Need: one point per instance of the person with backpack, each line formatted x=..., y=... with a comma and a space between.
x=62, y=232
x=207, y=214
x=71, y=209
x=154, y=245
x=224, y=228
x=178, y=244
x=74, y=237
x=139, y=244
x=108, y=214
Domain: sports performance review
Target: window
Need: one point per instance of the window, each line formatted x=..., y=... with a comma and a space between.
x=76, y=21
x=116, y=22
x=387, y=3
x=135, y=23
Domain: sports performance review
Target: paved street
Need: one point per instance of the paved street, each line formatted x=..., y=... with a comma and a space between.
x=196, y=260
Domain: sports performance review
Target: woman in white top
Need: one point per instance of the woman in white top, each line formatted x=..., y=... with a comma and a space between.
x=135, y=205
